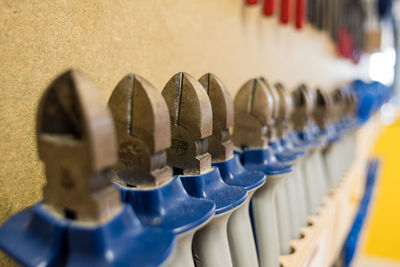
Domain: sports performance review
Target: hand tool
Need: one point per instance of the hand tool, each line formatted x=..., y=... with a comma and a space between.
x=240, y=233
x=81, y=220
x=285, y=11
x=283, y=199
x=323, y=129
x=349, y=110
x=268, y=7
x=319, y=14
x=336, y=164
x=329, y=12
x=191, y=126
x=286, y=156
x=294, y=187
x=345, y=41
x=310, y=12
x=338, y=156
x=351, y=135
x=330, y=153
x=319, y=110
x=300, y=13
x=253, y=115
x=334, y=22
x=251, y=2
x=303, y=106
x=67, y=126
x=144, y=133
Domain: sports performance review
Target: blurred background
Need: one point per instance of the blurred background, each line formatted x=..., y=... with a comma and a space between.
x=379, y=245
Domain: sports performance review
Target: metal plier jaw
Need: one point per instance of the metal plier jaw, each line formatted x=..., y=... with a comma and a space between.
x=355, y=104
x=144, y=133
x=352, y=104
x=220, y=143
x=338, y=105
x=272, y=127
x=302, y=108
x=253, y=113
x=191, y=124
x=77, y=143
x=322, y=109
x=283, y=124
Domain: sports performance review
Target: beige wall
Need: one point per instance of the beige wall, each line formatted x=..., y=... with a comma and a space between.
x=153, y=38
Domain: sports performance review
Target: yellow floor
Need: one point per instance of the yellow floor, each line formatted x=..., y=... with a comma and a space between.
x=382, y=233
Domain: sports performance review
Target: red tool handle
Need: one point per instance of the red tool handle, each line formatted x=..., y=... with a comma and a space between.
x=269, y=7
x=300, y=13
x=285, y=11
x=251, y=2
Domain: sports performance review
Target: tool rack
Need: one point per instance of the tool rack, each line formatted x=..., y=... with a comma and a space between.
x=323, y=239
x=109, y=51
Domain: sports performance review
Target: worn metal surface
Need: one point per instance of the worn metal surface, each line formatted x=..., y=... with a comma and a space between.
x=283, y=124
x=76, y=142
x=351, y=103
x=303, y=108
x=322, y=109
x=338, y=105
x=220, y=143
x=143, y=131
x=253, y=113
x=271, y=130
x=191, y=124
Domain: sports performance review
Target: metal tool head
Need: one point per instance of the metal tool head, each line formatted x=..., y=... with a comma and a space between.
x=144, y=133
x=302, y=108
x=338, y=105
x=191, y=124
x=350, y=104
x=272, y=129
x=285, y=110
x=353, y=104
x=76, y=141
x=220, y=144
x=322, y=109
x=253, y=113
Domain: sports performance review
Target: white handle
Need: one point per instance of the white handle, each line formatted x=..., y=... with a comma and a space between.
x=310, y=185
x=265, y=223
x=318, y=179
x=210, y=244
x=240, y=236
x=283, y=216
x=337, y=161
x=182, y=256
x=328, y=158
x=297, y=202
x=319, y=165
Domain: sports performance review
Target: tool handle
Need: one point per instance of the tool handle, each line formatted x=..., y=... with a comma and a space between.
x=268, y=7
x=265, y=223
x=240, y=235
x=251, y=2
x=211, y=245
x=300, y=13
x=285, y=11
x=183, y=252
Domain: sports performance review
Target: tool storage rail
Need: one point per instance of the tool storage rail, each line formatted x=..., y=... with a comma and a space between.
x=234, y=132
x=323, y=239
x=158, y=178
